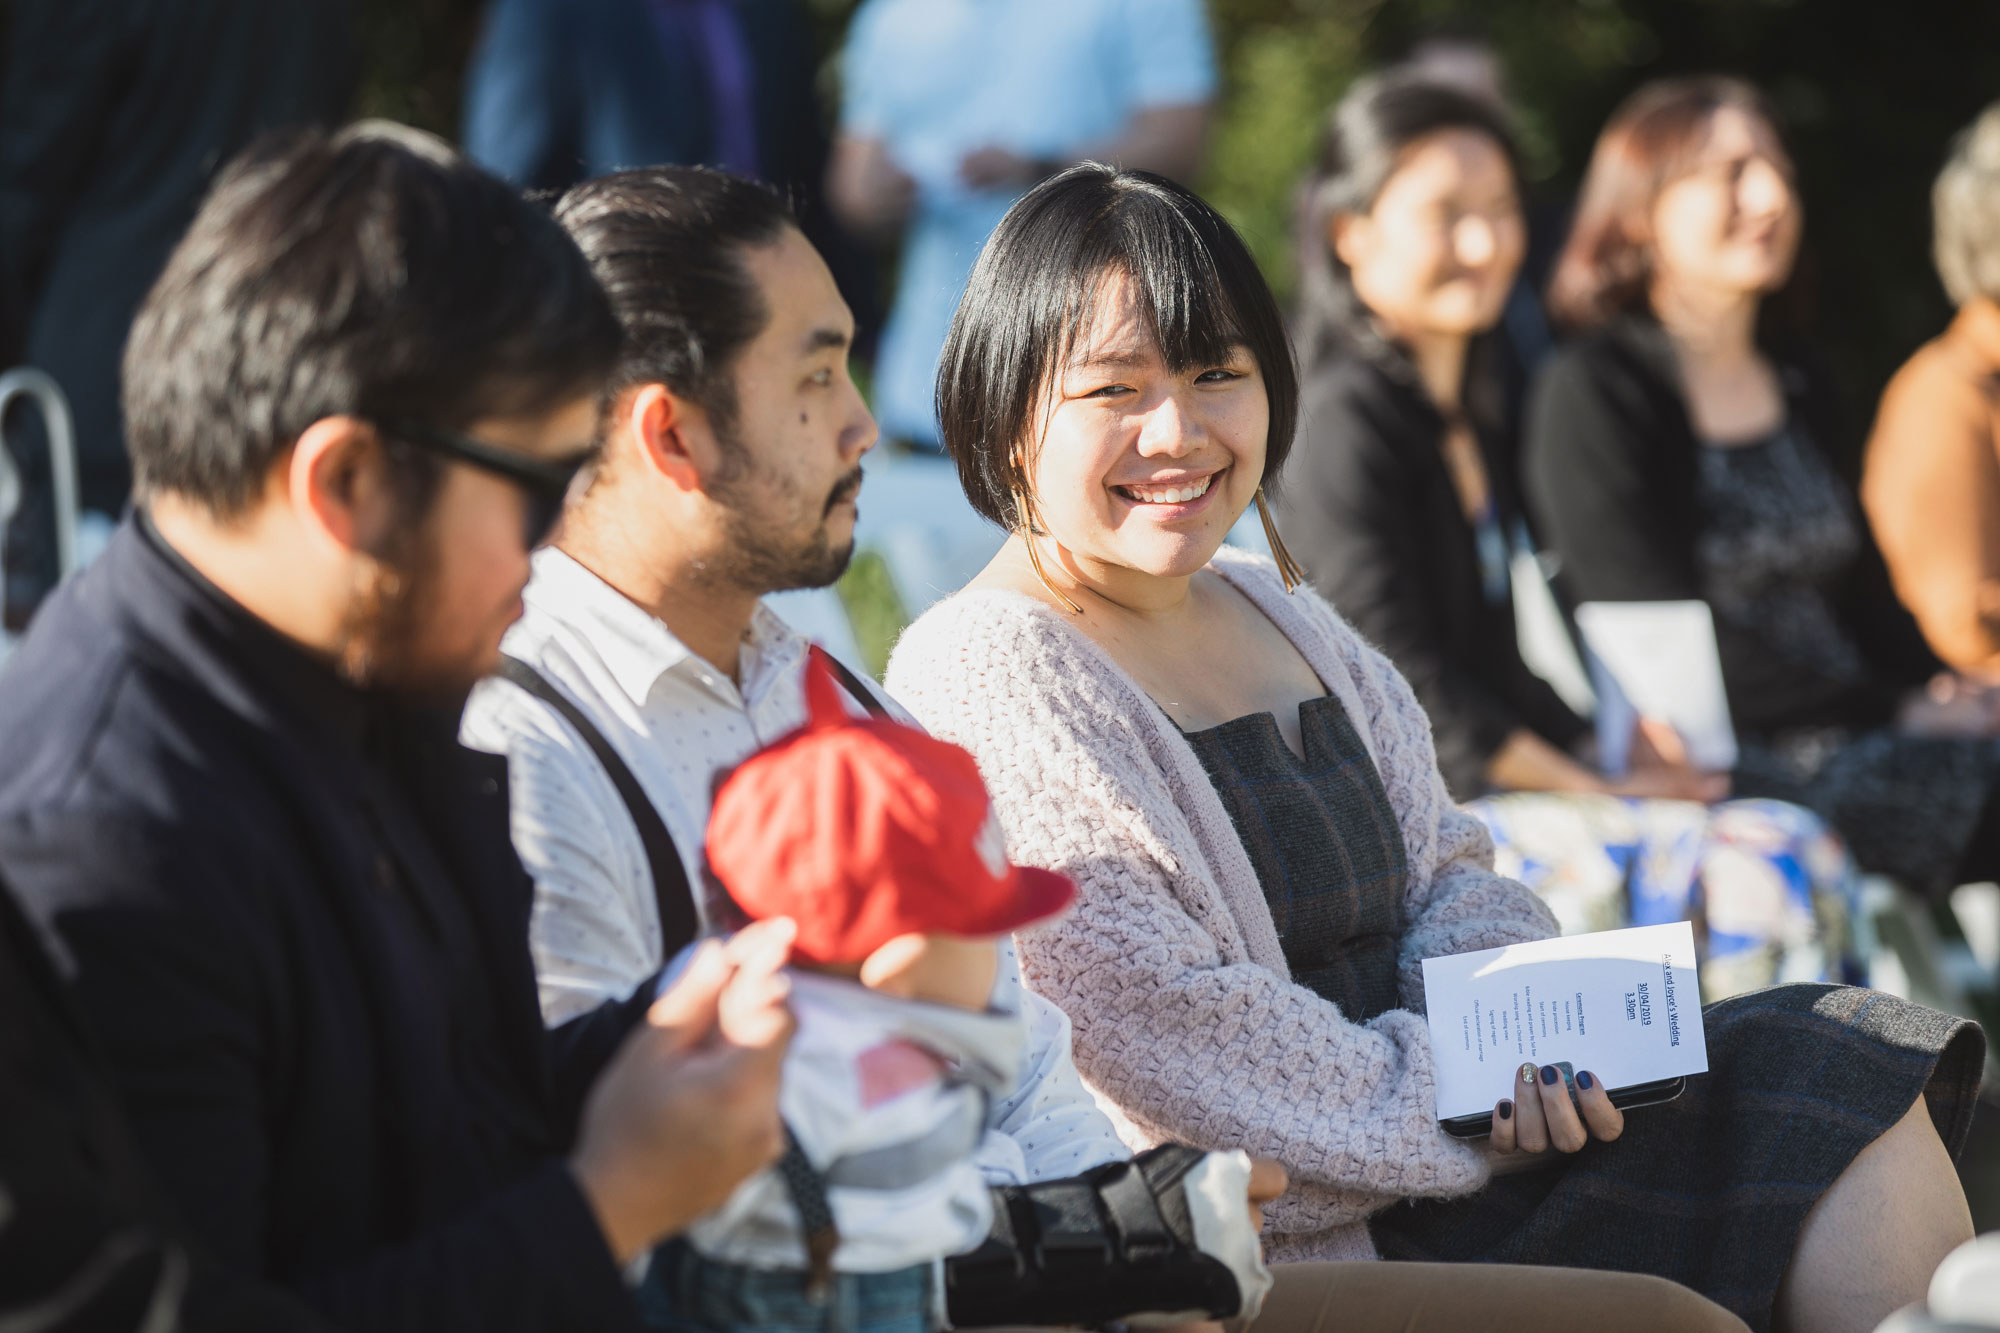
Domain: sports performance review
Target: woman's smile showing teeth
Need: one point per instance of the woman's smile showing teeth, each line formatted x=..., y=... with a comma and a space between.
x=1180, y=493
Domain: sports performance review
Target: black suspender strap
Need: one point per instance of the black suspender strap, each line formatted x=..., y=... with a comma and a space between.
x=674, y=896
x=852, y=683
x=804, y=1181
x=817, y=1231
x=679, y=925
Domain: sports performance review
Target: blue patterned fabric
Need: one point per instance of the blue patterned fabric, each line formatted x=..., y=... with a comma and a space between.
x=1772, y=891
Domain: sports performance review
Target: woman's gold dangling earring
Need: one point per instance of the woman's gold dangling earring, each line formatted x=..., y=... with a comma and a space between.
x=1288, y=568
x=1027, y=516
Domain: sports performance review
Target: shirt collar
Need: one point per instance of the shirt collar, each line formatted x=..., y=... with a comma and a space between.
x=636, y=647
x=771, y=653
x=302, y=684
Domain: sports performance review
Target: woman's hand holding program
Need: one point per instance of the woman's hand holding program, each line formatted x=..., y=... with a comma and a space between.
x=1541, y=1115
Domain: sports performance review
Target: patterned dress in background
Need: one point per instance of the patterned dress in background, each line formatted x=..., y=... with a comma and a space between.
x=1772, y=892
x=1778, y=529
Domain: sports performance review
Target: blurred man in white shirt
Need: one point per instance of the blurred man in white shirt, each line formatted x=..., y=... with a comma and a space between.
x=952, y=109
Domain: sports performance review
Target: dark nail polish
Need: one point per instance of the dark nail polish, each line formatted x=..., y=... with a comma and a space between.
x=1506, y=1110
x=1550, y=1073
x=1584, y=1081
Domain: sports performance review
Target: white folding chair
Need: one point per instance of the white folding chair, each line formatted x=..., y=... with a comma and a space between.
x=47, y=395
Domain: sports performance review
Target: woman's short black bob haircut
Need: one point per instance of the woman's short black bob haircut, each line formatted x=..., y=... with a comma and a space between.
x=1031, y=296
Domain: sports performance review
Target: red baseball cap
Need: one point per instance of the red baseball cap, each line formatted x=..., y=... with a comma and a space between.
x=861, y=830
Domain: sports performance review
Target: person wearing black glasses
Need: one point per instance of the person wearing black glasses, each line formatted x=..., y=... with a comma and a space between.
x=233, y=804
x=545, y=482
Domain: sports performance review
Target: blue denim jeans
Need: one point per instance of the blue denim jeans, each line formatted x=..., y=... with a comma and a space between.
x=689, y=1294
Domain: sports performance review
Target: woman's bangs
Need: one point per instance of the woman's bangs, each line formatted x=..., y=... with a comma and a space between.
x=1180, y=292
x=1180, y=296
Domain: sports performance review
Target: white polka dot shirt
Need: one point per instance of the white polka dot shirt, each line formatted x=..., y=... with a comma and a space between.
x=677, y=722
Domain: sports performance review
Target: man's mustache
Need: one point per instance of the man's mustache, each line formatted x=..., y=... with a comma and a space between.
x=846, y=488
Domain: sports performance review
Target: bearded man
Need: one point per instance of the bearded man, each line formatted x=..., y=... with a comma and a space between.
x=233, y=805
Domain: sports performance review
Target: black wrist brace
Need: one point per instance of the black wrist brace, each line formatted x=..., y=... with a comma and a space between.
x=1109, y=1244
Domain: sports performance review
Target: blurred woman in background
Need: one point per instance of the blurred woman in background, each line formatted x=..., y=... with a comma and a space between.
x=1682, y=448
x=1403, y=506
x=1932, y=484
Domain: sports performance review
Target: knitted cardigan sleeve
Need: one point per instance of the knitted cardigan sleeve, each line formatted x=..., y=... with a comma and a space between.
x=1173, y=1024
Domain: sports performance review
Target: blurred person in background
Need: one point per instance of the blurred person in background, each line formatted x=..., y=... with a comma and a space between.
x=1464, y=57
x=954, y=108
x=113, y=119
x=564, y=91
x=560, y=91
x=1403, y=506
x=232, y=802
x=1932, y=476
x=1682, y=446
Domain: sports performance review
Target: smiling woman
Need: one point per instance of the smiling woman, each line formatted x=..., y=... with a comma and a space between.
x=1685, y=445
x=1107, y=295
x=1246, y=795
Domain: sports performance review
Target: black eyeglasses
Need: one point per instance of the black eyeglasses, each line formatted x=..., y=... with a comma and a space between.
x=545, y=483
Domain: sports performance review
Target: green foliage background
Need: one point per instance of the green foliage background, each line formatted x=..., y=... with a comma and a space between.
x=1870, y=92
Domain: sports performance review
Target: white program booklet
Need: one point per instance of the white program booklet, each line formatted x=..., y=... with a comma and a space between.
x=1623, y=1004
x=1657, y=659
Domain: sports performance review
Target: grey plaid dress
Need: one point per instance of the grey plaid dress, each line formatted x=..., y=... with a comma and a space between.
x=1326, y=847
x=1709, y=1190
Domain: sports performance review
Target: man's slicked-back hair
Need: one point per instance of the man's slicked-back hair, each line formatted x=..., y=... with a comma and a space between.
x=1033, y=292
x=369, y=272
x=667, y=245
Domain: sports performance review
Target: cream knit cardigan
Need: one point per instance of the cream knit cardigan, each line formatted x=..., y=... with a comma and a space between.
x=1187, y=1024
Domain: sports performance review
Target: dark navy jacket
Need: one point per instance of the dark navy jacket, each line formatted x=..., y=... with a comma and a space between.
x=294, y=922
x=86, y=1240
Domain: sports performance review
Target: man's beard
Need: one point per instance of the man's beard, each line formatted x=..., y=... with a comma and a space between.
x=378, y=636
x=760, y=561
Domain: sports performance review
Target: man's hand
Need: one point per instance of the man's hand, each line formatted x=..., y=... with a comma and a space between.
x=688, y=1108
x=870, y=194
x=996, y=168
